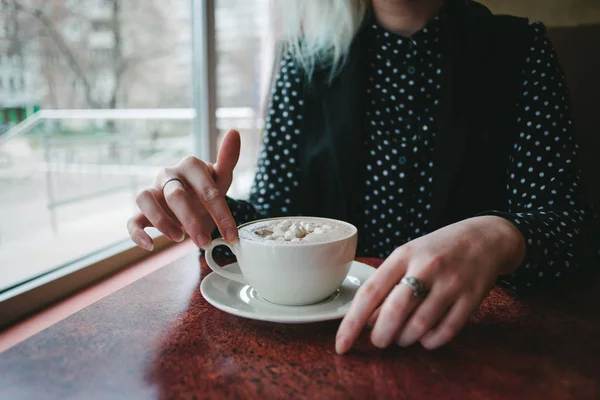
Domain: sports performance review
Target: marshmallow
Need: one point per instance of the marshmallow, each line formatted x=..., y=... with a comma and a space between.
x=295, y=232
x=278, y=232
x=285, y=224
x=299, y=232
x=292, y=231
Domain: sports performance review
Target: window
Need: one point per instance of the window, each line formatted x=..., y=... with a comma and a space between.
x=75, y=169
x=8, y=28
x=74, y=30
x=245, y=43
x=72, y=4
x=17, y=60
x=100, y=55
x=49, y=60
x=69, y=185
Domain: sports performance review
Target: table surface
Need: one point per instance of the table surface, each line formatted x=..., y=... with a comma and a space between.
x=158, y=338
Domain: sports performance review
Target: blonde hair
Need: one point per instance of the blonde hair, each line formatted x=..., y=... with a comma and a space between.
x=321, y=31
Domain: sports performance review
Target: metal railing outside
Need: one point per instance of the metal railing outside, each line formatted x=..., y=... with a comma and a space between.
x=85, y=154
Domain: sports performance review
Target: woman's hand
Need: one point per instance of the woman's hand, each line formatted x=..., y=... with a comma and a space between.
x=189, y=198
x=458, y=264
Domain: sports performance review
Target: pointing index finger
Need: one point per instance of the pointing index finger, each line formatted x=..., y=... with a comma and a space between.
x=227, y=159
x=214, y=201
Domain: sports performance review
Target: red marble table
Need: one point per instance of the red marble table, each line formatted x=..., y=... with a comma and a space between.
x=158, y=338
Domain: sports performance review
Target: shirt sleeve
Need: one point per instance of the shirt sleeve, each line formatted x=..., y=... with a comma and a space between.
x=545, y=200
x=276, y=182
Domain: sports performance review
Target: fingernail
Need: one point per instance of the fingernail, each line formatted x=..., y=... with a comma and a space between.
x=427, y=336
x=406, y=339
x=202, y=239
x=379, y=342
x=230, y=235
x=428, y=343
x=177, y=235
x=341, y=345
x=147, y=244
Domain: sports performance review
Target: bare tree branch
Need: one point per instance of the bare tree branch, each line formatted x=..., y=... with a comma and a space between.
x=137, y=30
x=117, y=52
x=62, y=46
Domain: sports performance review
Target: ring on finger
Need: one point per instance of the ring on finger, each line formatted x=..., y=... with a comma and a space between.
x=418, y=287
x=172, y=179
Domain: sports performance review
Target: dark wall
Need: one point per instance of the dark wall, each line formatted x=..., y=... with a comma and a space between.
x=553, y=13
x=574, y=28
x=579, y=52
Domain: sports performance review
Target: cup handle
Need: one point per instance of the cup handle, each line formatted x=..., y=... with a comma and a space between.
x=215, y=267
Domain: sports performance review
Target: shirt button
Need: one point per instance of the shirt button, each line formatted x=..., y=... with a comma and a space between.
x=402, y=160
x=412, y=70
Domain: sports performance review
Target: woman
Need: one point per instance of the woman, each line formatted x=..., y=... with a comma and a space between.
x=443, y=132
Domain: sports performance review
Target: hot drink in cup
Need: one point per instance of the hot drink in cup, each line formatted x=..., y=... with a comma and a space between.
x=291, y=261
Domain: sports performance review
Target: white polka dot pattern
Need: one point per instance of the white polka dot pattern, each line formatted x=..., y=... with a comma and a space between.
x=404, y=81
x=544, y=183
x=405, y=78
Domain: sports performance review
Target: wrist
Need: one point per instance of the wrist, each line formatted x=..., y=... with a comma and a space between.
x=509, y=241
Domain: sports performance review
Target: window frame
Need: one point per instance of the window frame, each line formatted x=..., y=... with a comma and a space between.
x=27, y=298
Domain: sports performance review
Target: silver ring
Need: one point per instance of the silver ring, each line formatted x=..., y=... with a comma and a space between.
x=415, y=285
x=172, y=180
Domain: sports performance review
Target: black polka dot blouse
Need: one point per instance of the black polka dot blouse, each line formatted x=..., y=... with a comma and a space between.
x=404, y=72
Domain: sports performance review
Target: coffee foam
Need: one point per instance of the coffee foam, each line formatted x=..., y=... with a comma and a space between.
x=295, y=231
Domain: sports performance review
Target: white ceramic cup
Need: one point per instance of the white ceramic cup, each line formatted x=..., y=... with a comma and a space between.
x=290, y=274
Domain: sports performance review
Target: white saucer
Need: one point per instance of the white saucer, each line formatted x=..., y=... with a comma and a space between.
x=242, y=300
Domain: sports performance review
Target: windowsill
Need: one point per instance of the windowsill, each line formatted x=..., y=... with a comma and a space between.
x=32, y=245
x=18, y=302
x=41, y=320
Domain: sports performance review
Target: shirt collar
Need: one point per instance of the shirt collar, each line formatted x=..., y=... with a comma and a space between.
x=426, y=38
